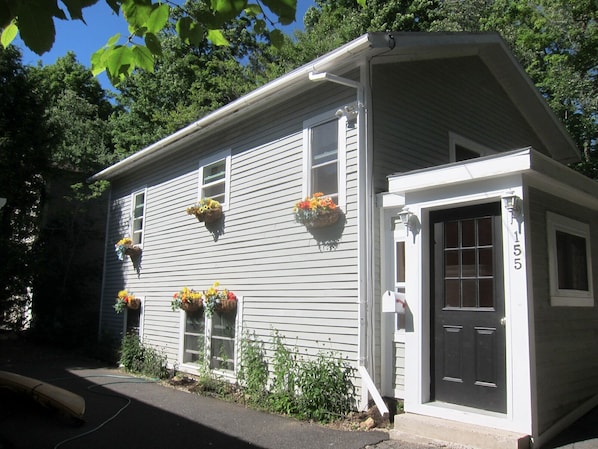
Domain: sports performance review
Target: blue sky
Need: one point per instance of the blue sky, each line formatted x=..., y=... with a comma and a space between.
x=102, y=23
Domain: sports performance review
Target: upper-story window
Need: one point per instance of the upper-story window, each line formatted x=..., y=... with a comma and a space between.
x=214, y=178
x=463, y=149
x=137, y=217
x=569, y=260
x=325, y=156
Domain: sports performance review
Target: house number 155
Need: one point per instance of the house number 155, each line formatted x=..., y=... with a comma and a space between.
x=517, y=252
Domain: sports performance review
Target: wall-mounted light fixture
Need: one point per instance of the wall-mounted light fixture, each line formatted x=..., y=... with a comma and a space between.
x=350, y=113
x=512, y=204
x=406, y=217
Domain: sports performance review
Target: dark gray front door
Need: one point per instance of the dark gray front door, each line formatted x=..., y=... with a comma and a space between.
x=468, y=337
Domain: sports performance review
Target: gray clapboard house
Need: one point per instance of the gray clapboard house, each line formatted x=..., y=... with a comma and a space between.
x=460, y=276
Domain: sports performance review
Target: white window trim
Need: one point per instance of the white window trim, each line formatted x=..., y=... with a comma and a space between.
x=221, y=155
x=565, y=297
x=342, y=153
x=132, y=215
x=456, y=139
x=192, y=367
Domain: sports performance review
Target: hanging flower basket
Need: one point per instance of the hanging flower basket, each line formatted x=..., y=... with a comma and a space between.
x=219, y=300
x=207, y=210
x=134, y=304
x=316, y=212
x=124, y=247
x=326, y=218
x=193, y=306
x=226, y=305
x=126, y=300
x=187, y=299
x=133, y=251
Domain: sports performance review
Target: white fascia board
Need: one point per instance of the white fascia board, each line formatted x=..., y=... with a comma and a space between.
x=539, y=170
x=246, y=103
x=460, y=172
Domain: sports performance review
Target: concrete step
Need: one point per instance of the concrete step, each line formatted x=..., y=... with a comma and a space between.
x=467, y=435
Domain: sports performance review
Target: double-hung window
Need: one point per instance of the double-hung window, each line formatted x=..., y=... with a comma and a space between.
x=325, y=157
x=570, y=264
x=211, y=340
x=214, y=178
x=137, y=217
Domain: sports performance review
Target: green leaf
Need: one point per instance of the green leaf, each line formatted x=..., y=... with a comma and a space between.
x=189, y=31
x=228, y=9
x=158, y=18
x=6, y=14
x=361, y=3
x=217, y=38
x=143, y=58
x=120, y=60
x=113, y=40
x=259, y=26
x=284, y=9
x=8, y=34
x=277, y=38
x=253, y=10
x=153, y=44
x=114, y=5
x=136, y=13
x=37, y=30
x=75, y=7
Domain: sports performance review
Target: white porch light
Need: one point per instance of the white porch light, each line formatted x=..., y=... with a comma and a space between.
x=512, y=203
x=405, y=216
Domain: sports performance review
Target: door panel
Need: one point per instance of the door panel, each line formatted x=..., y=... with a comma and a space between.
x=468, y=353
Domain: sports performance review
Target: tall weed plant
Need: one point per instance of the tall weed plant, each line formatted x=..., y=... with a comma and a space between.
x=253, y=372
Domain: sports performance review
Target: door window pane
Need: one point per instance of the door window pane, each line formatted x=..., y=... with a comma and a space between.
x=486, y=292
x=451, y=293
x=470, y=293
x=468, y=233
x=451, y=234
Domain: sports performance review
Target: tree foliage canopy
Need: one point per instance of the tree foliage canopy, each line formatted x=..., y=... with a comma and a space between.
x=34, y=20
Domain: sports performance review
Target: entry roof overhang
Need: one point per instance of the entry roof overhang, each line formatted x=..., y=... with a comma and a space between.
x=379, y=48
x=536, y=168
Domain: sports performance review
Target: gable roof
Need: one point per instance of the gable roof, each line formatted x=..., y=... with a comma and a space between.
x=386, y=47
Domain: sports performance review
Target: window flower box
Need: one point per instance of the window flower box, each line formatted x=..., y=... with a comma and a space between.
x=219, y=300
x=187, y=299
x=126, y=300
x=206, y=210
x=316, y=212
x=124, y=247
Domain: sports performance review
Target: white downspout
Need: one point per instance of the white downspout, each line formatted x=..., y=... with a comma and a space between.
x=364, y=255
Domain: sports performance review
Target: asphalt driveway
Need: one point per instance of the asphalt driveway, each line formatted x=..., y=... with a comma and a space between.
x=128, y=412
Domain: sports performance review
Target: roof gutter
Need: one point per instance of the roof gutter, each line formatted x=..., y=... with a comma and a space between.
x=269, y=91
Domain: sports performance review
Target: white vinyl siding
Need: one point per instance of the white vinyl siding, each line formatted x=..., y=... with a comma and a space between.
x=289, y=282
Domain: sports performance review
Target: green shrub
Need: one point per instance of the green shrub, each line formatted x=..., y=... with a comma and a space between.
x=326, y=390
x=142, y=359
